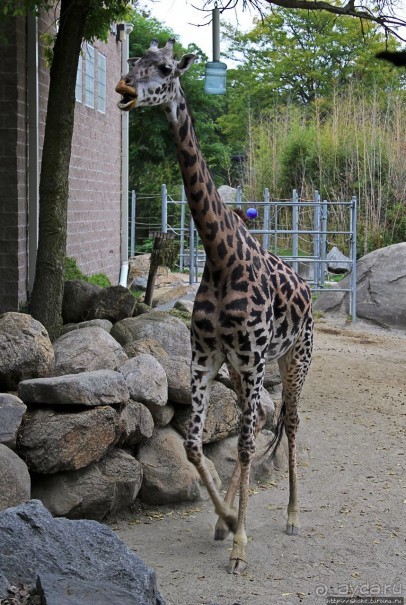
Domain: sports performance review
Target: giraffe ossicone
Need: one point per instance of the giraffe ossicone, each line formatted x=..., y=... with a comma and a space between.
x=250, y=305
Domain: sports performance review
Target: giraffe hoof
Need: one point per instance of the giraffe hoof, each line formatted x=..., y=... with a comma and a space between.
x=236, y=566
x=292, y=530
x=221, y=532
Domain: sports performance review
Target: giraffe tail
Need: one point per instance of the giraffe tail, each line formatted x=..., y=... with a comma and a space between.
x=278, y=433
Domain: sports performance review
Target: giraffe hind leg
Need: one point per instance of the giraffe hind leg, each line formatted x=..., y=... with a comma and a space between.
x=293, y=368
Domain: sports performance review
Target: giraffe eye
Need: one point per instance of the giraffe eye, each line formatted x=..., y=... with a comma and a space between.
x=165, y=69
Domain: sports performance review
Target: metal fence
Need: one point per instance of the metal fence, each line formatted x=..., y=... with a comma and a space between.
x=301, y=231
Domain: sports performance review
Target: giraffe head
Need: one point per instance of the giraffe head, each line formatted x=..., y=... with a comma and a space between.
x=153, y=79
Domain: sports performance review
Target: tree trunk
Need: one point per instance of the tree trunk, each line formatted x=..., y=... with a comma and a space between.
x=47, y=293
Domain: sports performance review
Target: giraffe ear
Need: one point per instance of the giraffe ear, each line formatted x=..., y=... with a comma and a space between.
x=185, y=62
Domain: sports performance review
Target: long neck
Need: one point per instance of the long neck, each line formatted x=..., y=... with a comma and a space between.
x=211, y=216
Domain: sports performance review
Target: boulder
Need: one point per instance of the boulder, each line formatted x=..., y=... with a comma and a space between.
x=15, y=480
x=165, y=295
x=11, y=413
x=146, y=380
x=168, y=475
x=91, y=323
x=170, y=332
x=112, y=303
x=54, y=441
x=101, y=387
x=228, y=194
x=77, y=298
x=145, y=345
x=178, y=376
x=26, y=350
x=162, y=416
x=223, y=415
x=54, y=589
x=337, y=262
x=87, y=350
x=138, y=266
x=380, y=290
x=224, y=456
x=105, y=487
x=34, y=543
x=136, y=423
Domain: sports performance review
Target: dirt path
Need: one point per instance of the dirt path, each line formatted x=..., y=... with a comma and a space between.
x=352, y=489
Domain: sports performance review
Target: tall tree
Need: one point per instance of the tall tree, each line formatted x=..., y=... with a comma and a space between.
x=386, y=14
x=78, y=20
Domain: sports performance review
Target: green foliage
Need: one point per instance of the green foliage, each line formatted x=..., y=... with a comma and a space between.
x=72, y=271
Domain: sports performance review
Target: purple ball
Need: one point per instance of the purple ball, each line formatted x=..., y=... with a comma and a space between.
x=252, y=213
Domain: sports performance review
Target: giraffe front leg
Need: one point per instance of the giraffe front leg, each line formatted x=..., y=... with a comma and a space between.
x=238, y=558
x=224, y=526
x=201, y=379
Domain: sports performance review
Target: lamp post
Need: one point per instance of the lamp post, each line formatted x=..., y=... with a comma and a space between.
x=215, y=76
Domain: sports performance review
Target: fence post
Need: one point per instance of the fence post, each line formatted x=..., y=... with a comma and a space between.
x=238, y=196
x=164, y=206
x=323, y=252
x=182, y=229
x=316, y=238
x=353, y=229
x=266, y=219
x=191, y=251
x=295, y=229
x=132, y=225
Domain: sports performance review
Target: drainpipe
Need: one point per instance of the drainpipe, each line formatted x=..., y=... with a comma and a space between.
x=33, y=146
x=123, y=32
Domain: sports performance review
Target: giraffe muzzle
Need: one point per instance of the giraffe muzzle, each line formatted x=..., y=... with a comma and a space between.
x=128, y=96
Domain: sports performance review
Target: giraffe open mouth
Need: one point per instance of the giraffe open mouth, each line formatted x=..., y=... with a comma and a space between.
x=127, y=102
x=128, y=97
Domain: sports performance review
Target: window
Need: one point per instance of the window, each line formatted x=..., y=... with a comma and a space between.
x=89, y=78
x=101, y=83
x=79, y=85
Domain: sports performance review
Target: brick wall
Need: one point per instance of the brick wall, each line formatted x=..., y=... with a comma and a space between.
x=94, y=212
x=94, y=209
x=13, y=169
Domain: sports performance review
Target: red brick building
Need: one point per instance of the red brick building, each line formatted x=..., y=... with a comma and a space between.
x=97, y=210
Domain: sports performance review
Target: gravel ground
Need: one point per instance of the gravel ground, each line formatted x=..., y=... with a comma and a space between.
x=352, y=490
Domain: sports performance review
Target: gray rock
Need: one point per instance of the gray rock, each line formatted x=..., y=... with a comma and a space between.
x=98, y=323
x=59, y=590
x=26, y=350
x=87, y=350
x=139, y=283
x=11, y=413
x=184, y=305
x=224, y=456
x=178, y=376
x=163, y=416
x=15, y=479
x=105, y=487
x=101, y=387
x=136, y=422
x=52, y=441
x=337, y=262
x=113, y=303
x=146, y=380
x=223, y=415
x=145, y=345
x=228, y=194
x=168, y=475
x=77, y=297
x=381, y=288
x=170, y=332
x=34, y=543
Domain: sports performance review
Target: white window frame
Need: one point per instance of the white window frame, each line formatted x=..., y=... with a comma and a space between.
x=101, y=82
x=79, y=81
x=89, y=76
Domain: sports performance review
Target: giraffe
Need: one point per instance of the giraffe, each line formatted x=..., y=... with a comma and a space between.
x=250, y=305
